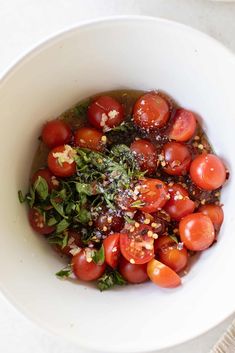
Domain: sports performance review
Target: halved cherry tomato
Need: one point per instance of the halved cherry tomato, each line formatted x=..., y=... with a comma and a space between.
x=137, y=246
x=105, y=112
x=45, y=173
x=179, y=204
x=85, y=269
x=61, y=162
x=157, y=223
x=162, y=275
x=215, y=213
x=133, y=273
x=169, y=253
x=108, y=221
x=74, y=242
x=112, y=249
x=177, y=158
x=37, y=222
x=146, y=155
x=153, y=193
x=196, y=231
x=208, y=172
x=55, y=133
x=151, y=111
x=183, y=126
x=87, y=137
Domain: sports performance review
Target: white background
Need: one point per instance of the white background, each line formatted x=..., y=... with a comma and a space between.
x=24, y=23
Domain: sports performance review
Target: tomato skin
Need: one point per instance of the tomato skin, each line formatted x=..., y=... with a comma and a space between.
x=107, y=222
x=208, y=172
x=87, y=137
x=169, y=254
x=151, y=111
x=179, y=204
x=45, y=173
x=64, y=169
x=112, y=249
x=141, y=218
x=177, y=158
x=55, y=133
x=215, y=213
x=153, y=193
x=184, y=126
x=74, y=240
x=133, y=273
x=162, y=275
x=84, y=270
x=196, y=231
x=137, y=246
x=146, y=155
x=105, y=112
x=37, y=222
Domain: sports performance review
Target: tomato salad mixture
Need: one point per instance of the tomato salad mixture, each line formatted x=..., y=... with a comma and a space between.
x=127, y=187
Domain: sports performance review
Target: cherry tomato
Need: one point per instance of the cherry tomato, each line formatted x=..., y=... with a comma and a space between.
x=108, y=221
x=61, y=162
x=177, y=158
x=37, y=222
x=137, y=246
x=170, y=254
x=162, y=275
x=74, y=242
x=208, y=172
x=184, y=126
x=152, y=219
x=151, y=111
x=196, y=231
x=85, y=269
x=179, y=204
x=87, y=137
x=112, y=249
x=133, y=273
x=105, y=112
x=215, y=213
x=45, y=173
x=153, y=193
x=146, y=155
x=55, y=133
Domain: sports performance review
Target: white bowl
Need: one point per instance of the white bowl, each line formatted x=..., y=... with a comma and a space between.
x=129, y=52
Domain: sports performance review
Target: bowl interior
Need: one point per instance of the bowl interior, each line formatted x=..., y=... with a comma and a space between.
x=123, y=53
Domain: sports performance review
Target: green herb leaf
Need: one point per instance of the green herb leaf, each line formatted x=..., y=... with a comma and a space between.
x=51, y=221
x=21, y=197
x=137, y=204
x=30, y=197
x=58, y=207
x=129, y=220
x=84, y=188
x=65, y=272
x=99, y=256
x=110, y=279
x=62, y=226
x=123, y=127
x=81, y=109
x=65, y=240
x=174, y=238
x=84, y=216
x=41, y=187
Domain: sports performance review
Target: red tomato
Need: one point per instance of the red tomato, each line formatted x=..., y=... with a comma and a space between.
x=152, y=219
x=112, y=249
x=107, y=222
x=55, y=133
x=61, y=162
x=162, y=275
x=208, y=172
x=179, y=204
x=184, y=126
x=84, y=270
x=196, y=231
x=170, y=253
x=87, y=137
x=153, y=193
x=146, y=155
x=74, y=241
x=215, y=213
x=45, y=173
x=105, y=112
x=137, y=246
x=133, y=273
x=151, y=111
x=177, y=158
x=37, y=222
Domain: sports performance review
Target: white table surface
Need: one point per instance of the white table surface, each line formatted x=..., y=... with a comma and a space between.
x=24, y=23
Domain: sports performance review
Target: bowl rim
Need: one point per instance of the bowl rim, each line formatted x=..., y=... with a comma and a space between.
x=21, y=59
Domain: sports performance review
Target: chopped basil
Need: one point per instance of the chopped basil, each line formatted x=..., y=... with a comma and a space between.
x=110, y=279
x=58, y=206
x=84, y=188
x=137, y=204
x=174, y=238
x=61, y=226
x=41, y=187
x=99, y=256
x=65, y=272
x=129, y=220
x=21, y=197
x=51, y=221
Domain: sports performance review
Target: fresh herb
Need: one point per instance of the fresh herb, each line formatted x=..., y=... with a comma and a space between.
x=83, y=188
x=58, y=206
x=51, y=221
x=98, y=256
x=137, y=204
x=21, y=197
x=41, y=187
x=129, y=220
x=174, y=238
x=59, y=239
x=61, y=226
x=65, y=272
x=81, y=109
x=110, y=279
x=125, y=126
